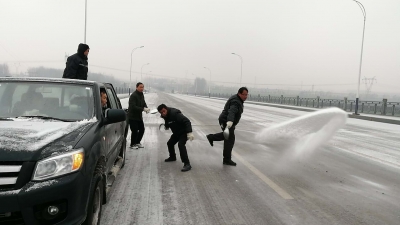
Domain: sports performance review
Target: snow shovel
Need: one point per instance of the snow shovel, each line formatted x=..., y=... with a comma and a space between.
x=153, y=111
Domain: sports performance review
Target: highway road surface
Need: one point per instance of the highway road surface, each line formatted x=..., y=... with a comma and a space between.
x=354, y=178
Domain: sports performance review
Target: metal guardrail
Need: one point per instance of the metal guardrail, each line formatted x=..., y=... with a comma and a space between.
x=121, y=90
x=369, y=107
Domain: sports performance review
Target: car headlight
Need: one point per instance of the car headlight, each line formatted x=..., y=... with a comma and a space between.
x=58, y=165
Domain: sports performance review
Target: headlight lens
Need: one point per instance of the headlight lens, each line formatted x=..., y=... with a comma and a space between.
x=58, y=165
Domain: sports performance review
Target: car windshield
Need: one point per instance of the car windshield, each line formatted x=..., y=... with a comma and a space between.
x=66, y=102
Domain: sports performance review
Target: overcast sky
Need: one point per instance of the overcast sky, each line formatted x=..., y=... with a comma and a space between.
x=282, y=43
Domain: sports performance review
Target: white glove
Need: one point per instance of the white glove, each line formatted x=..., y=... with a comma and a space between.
x=147, y=110
x=229, y=124
x=163, y=125
x=190, y=136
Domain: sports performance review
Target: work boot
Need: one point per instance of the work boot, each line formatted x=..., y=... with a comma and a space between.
x=139, y=145
x=170, y=159
x=209, y=140
x=229, y=162
x=186, y=167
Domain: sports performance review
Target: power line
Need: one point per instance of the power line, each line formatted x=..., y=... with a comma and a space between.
x=38, y=61
x=176, y=77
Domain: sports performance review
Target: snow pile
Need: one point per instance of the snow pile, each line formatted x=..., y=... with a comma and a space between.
x=32, y=134
x=302, y=135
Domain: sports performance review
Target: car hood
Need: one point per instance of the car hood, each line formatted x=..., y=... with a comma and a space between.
x=24, y=139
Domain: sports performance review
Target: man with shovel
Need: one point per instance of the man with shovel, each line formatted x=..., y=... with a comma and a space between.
x=181, y=132
x=228, y=120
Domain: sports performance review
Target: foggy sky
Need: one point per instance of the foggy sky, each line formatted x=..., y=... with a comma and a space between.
x=283, y=44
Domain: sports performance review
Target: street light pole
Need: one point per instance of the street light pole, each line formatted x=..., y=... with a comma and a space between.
x=147, y=75
x=362, y=45
x=141, y=78
x=130, y=70
x=209, y=85
x=241, y=66
x=187, y=84
x=84, y=38
x=195, y=89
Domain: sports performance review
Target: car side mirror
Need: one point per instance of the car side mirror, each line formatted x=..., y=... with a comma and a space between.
x=114, y=116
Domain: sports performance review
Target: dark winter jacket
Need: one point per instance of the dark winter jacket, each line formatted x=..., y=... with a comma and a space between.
x=232, y=111
x=77, y=64
x=177, y=122
x=136, y=106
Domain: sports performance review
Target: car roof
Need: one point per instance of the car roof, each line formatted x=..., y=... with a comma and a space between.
x=47, y=79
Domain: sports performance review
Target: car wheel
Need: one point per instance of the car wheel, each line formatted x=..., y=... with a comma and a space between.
x=95, y=202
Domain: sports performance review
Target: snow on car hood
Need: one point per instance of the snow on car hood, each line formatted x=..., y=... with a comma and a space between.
x=32, y=134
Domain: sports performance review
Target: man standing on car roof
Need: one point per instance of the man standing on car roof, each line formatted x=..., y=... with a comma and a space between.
x=137, y=105
x=181, y=132
x=77, y=64
x=230, y=117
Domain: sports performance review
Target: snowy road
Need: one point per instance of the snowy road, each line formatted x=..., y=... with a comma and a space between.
x=353, y=179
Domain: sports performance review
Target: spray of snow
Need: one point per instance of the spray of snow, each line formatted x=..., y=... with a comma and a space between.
x=300, y=137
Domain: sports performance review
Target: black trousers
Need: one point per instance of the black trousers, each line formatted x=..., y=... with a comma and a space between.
x=228, y=144
x=181, y=140
x=137, y=131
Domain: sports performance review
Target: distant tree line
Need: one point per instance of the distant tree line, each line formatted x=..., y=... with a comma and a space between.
x=4, y=71
x=58, y=73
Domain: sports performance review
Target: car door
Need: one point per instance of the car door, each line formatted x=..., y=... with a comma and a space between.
x=115, y=142
x=109, y=137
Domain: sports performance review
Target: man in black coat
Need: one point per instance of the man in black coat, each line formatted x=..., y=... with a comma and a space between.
x=137, y=105
x=181, y=132
x=230, y=117
x=77, y=64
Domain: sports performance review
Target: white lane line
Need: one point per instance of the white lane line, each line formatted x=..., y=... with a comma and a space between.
x=264, y=178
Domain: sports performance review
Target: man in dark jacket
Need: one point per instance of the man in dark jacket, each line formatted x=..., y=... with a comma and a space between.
x=181, y=132
x=230, y=117
x=137, y=105
x=77, y=64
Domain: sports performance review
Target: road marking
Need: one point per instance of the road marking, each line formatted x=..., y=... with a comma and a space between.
x=264, y=178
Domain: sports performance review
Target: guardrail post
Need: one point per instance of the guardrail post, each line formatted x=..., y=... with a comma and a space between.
x=269, y=98
x=317, y=101
x=362, y=107
x=384, y=106
x=297, y=100
x=281, y=99
x=345, y=103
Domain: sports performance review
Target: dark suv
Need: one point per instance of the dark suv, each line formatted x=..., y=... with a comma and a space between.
x=60, y=149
